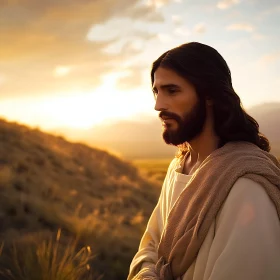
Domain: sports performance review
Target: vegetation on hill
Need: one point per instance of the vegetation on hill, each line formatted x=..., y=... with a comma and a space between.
x=96, y=199
x=154, y=169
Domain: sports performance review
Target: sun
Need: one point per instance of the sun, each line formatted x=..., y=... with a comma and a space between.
x=81, y=110
x=73, y=110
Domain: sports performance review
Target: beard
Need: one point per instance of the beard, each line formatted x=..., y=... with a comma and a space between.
x=189, y=126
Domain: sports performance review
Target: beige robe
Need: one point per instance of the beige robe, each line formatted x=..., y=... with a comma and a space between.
x=243, y=241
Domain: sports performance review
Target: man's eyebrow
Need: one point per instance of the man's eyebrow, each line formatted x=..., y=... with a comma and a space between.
x=165, y=87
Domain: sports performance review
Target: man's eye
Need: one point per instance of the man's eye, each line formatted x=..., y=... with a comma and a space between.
x=172, y=91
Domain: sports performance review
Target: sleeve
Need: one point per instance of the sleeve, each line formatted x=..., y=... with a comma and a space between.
x=144, y=261
x=246, y=245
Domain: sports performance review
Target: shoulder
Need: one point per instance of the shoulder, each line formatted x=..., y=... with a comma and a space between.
x=246, y=190
x=246, y=242
x=174, y=164
x=248, y=201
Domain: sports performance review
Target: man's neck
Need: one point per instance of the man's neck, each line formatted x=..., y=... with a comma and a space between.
x=200, y=149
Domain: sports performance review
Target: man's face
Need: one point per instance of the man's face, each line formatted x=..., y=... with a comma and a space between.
x=182, y=113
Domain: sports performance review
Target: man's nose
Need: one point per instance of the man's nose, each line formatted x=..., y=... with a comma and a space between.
x=160, y=103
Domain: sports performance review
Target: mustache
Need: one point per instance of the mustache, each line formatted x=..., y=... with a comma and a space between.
x=169, y=115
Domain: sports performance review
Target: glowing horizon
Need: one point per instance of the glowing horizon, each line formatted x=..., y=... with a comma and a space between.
x=93, y=68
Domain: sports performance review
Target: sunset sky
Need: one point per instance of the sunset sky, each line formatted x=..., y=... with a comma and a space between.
x=76, y=63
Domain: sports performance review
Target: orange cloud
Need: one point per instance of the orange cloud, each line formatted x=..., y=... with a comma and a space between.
x=200, y=28
x=269, y=58
x=241, y=26
x=131, y=80
x=37, y=36
x=226, y=4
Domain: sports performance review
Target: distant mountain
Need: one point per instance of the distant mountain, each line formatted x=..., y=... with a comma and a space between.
x=136, y=140
x=128, y=139
x=132, y=139
x=268, y=117
x=48, y=183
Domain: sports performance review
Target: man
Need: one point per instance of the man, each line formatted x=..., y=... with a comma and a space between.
x=217, y=216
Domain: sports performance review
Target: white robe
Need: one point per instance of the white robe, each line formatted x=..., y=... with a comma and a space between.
x=243, y=242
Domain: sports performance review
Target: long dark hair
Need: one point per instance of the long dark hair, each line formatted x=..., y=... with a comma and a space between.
x=206, y=69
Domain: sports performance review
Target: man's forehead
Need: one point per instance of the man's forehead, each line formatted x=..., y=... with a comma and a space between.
x=165, y=77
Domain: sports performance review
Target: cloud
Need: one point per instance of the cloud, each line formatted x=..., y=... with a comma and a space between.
x=272, y=10
x=200, y=28
x=38, y=36
x=270, y=58
x=144, y=13
x=132, y=79
x=118, y=28
x=45, y=25
x=160, y=3
x=156, y=3
x=226, y=4
x=164, y=37
x=127, y=46
x=176, y=19
x=258, y=36
x=241, y=26
x=182, y=31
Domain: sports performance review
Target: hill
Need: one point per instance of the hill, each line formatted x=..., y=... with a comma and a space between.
x=48, y=183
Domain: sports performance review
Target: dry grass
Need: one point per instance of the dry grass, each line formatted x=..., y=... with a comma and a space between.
x=153, y=169
x=48, y=260
x=47, y=183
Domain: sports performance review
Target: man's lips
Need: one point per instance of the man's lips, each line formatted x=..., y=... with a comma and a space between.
x=166, y=119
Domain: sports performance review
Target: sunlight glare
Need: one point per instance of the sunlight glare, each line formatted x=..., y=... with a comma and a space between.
x=61, y=71
x=79, y=110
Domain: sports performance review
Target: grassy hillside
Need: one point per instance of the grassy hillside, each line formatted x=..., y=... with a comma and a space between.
x=47, y=183
x=154, y=169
